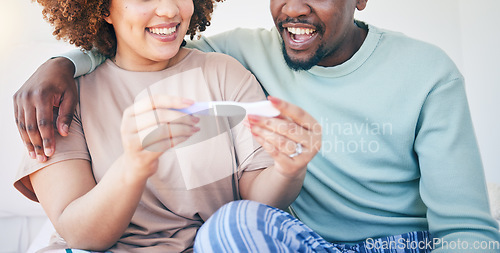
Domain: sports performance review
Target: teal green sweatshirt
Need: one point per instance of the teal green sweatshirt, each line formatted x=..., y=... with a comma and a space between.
x=398, y=153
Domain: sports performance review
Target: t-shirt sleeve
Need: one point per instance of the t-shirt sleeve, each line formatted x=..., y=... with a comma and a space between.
x=70, y=147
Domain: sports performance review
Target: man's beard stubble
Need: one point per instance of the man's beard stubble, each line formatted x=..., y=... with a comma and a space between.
x=297, y=65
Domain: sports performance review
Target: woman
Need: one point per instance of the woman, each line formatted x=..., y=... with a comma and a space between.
x=129, y=177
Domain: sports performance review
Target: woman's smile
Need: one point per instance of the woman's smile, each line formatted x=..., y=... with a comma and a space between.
x=164, y=33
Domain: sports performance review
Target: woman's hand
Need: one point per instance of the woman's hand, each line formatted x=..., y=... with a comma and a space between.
x=292, y=139
x=150, y=127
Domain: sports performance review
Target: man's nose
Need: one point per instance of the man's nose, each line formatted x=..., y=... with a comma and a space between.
x=296, y=8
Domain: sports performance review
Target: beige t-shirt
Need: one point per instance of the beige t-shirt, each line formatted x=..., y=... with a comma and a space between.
x=193, y=180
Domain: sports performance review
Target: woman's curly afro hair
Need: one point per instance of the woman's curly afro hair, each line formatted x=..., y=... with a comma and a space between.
x=81, y=22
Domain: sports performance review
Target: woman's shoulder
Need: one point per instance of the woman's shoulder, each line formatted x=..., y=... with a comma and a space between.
x=104, y=69
x=226, y=74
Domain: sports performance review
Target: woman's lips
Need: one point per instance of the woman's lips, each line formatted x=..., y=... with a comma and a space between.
x=163, y=34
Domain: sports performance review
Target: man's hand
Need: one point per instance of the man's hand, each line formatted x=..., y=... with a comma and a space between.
x=52, y=85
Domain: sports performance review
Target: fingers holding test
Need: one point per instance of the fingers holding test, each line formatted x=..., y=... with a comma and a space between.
x=301, y=118
x=286, y=165
x=163, y=116
x=160, y=102
x=167, y=136
x=279, y=142
x=296, y=114
x=154, y=117
x=292, y=139
x=284, y=127
x=151, y=127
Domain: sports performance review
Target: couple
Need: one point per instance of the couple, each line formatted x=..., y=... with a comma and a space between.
x=124, y=179
x=413, y=175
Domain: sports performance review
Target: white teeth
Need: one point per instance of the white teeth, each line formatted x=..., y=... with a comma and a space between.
x=162, y=31
x=300, y=31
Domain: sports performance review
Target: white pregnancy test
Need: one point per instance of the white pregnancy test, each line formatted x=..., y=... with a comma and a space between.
x=230, y=108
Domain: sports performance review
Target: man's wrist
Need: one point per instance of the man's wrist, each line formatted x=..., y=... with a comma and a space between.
x=82, y=63
x=64, y=64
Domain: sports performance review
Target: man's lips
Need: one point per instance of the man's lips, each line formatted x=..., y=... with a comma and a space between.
x=299, y=36
x=297, y=25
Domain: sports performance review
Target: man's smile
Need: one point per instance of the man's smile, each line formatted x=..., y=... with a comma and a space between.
x=299, y=36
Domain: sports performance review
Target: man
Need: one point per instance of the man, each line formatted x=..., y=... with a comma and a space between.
x=399, y=158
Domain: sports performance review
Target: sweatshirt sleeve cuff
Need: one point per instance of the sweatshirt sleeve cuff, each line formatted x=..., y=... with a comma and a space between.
x=84, y=61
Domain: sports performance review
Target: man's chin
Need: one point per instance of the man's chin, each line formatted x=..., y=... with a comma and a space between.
x=301, y=64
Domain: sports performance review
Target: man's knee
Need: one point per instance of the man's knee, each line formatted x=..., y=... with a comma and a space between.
x=226, y=221
x=236, y=211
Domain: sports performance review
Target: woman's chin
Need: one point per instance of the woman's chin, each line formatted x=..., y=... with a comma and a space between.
x=165, y=54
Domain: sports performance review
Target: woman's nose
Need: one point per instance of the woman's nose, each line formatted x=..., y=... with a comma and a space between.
x=167, y=8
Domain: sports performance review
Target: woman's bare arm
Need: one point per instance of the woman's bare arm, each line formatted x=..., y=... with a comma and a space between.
x=88, y=215
x=93, y=216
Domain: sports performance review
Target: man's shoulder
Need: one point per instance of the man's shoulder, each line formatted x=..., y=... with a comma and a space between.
x=423, y=55
x=261, y=39
x=407, y=44
x=236, y=40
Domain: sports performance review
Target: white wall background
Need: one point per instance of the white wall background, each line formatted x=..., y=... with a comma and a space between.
x=465, y=29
